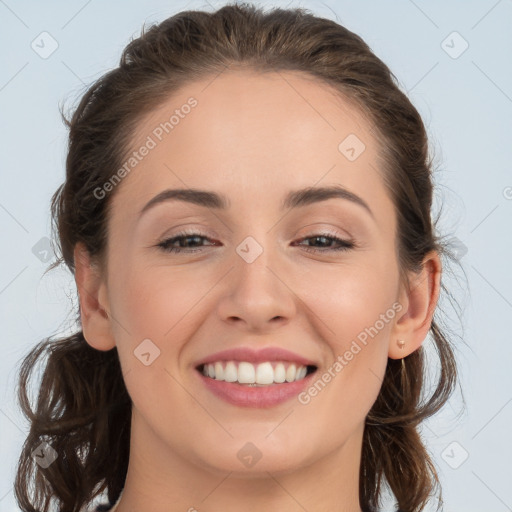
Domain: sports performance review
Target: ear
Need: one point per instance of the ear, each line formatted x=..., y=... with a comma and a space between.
x=93, y=301
x=419, y=301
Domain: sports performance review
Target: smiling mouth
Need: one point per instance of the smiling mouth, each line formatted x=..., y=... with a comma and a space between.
x=262, y=374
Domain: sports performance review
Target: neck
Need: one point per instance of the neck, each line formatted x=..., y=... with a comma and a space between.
x=160, y=480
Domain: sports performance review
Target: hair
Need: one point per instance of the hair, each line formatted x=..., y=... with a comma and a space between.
x=83, y=408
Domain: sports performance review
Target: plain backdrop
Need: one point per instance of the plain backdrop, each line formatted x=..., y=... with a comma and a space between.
x=454, y=61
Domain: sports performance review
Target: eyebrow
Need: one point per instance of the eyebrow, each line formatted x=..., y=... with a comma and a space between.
x=294, y=198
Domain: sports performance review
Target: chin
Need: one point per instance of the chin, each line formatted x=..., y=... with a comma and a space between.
x=255, y=459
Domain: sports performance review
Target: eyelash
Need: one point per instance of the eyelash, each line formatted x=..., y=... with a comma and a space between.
x=345, y=245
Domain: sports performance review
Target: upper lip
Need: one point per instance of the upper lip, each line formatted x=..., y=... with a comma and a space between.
x=256, y=356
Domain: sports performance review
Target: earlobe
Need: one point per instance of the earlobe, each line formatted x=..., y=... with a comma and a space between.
x=420, y=300
x=93, y=302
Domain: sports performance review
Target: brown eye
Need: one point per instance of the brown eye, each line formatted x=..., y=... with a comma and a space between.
x=168, y=245
x=326, y=238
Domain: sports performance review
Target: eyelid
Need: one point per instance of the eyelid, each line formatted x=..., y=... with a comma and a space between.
x=344, y=243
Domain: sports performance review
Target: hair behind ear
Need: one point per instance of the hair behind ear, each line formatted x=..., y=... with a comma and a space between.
x=394, y=449
x=82, y=397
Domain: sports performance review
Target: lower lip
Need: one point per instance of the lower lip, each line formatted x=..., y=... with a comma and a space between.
x=255, y=396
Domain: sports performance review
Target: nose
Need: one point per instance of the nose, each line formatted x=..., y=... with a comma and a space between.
x=256, y=296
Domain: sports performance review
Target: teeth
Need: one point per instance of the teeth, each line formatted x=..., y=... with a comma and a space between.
x=262, y=374
x=230, y=373
x=290, y=373
x=279, y=373
x=219, y=371
x=246, y=373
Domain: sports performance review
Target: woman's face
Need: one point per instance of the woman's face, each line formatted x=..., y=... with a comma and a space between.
x=266, y=275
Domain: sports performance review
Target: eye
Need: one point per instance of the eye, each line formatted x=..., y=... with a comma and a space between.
x=183, y=240
x=342, y=244
x=168, y=244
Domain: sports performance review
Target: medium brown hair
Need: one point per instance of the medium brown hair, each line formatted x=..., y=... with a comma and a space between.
x=83, y=409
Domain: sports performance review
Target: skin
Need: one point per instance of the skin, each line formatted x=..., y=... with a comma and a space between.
x=252, y=137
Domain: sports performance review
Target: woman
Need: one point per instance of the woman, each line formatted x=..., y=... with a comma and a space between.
x=247, y=214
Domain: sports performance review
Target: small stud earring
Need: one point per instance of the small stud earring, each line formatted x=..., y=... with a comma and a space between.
x=400, y=343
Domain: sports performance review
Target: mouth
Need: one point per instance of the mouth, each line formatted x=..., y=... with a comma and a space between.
x=259, y=385
x=263, y=374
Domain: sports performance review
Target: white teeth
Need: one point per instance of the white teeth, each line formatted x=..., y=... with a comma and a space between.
x=246, y=373
x=230, y=373
x=219, y=371
x=290, y=373
x=279, y=373
x=262, y=374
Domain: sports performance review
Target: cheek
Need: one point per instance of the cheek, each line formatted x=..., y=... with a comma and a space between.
x=156, y=302
x=153, y=304
x=354, y=311
x=348, y=299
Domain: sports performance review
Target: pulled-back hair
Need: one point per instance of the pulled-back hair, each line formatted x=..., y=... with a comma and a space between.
x=83, y=409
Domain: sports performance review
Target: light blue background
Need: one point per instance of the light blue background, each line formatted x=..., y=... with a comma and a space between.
x=466, y=104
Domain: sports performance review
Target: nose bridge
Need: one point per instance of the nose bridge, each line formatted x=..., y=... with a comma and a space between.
x=257, y=292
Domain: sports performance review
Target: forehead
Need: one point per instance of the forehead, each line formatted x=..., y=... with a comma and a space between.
x=248, y=133
x=294, y=105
